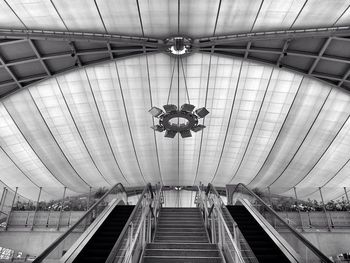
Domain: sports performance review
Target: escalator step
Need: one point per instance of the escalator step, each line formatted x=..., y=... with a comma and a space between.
x=100, y=245
x=262, y=245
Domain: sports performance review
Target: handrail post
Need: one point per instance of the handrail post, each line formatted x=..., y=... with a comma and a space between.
x=87, y=207
x=62, y=203
x=4, y=199
x=220, y=230
x=88, y=201
x=36, y=208
x=131, y=230
x=324, y=209
x=270, y=199
x=301, y=219
x=346, y=194
x=9, y=213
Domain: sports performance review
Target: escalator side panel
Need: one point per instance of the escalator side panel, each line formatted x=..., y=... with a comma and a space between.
x=262, y=245
x=101, y=243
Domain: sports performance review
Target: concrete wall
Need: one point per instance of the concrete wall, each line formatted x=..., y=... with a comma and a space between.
x=34, y=242
x=330, y=243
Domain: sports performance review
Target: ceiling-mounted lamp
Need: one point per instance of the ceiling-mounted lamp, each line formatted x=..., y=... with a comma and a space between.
x=175, y=119
x=181, y=121
x=156, y=112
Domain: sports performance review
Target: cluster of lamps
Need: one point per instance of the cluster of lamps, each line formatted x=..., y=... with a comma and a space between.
x=186, y=113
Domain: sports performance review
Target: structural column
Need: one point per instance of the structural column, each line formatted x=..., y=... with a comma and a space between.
x=9, y=214
x=296, y=198
x=36, y=208
x=62, y=203
x=325, y=210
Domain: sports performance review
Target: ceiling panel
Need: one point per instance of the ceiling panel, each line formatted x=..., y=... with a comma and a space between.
x=37, y=14
x=91, y=127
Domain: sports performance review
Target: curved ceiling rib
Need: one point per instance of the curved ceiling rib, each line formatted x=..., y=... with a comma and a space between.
x=317, y=53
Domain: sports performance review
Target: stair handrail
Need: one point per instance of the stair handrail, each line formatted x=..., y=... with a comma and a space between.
x=149, y=210
x=240, y=239
x=54, y=244
x=306, y=242
x=221, y=223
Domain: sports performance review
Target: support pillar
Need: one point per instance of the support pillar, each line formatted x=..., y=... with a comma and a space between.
x=36, y=208
x=3, y=200
x=59, y=217
x=346, y=194
x=2, y=197
x=88, y=201
x=325, y=210
x=9, y=214
x=301, y=219
x=229, y=193
x=270, y=198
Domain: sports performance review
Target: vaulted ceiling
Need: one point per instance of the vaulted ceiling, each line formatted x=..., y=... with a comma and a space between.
x=77, y=79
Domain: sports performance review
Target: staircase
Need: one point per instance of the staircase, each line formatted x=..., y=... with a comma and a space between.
x=181, y=237
x=101, y=244
x=262, y=245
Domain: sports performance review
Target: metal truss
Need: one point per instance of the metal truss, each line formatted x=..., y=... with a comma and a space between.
x=30, y=56
x=318, y=53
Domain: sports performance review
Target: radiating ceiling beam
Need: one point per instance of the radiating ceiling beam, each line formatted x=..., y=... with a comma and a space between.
x=320, y=54
x=336, y=32
x=35, y=50
x=252, y=46
x=77, y=36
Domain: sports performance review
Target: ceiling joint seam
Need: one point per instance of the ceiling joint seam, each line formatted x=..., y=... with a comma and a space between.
x=55, y=140
x=79, y=133
x=154, y=132
x=229, y=121
x=31, y=147
x=253, y=130
x=100, y=16
x=128, y=122
x=205, y=105
x=324, y=152
x=103, y=127
x=306, y=135
x=279, y=132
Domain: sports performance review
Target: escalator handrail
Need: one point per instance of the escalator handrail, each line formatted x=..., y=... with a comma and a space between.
x=50, y=248
x=114, y=250
x=223, y=222
x=306, y=242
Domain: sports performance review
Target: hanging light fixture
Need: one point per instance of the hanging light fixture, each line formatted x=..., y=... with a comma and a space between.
x=175, y=119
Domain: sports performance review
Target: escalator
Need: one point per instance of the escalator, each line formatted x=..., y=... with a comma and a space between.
x=101, y=243
x=264, y=248
x=107, y=223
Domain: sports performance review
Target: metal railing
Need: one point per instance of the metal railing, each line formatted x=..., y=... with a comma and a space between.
x=247, y=253
x=220, y=233
x=306, y=250
x=139, y=229
x=57, y=248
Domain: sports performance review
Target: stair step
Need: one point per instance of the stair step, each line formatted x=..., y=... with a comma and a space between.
x=207, y=246
x=166, y=259
x=182, y=252
x=182, y=234
x=176, y=230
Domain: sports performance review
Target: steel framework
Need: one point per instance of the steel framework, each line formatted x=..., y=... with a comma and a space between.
x=29, y=56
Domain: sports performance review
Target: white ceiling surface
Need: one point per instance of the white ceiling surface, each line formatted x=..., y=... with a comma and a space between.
x=159, y=18
x=91, y=128
x=173, y=198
